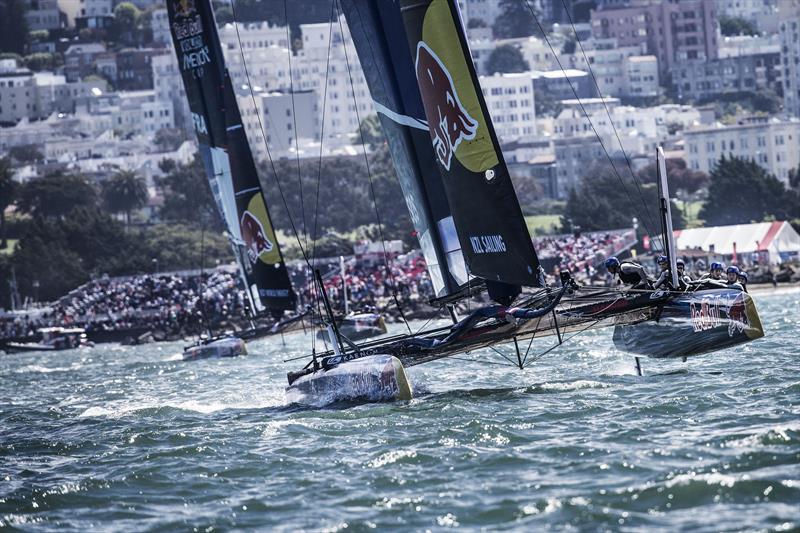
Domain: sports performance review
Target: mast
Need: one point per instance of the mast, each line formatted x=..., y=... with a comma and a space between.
x=425, y=88
x=226, y=156
x=665, y=208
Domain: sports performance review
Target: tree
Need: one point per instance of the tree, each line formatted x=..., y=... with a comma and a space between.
x=601, y=202
x=515, y=20
x=169, y=139
x=25, y=153
x=124, y=192
x=794, y=178
x=43, y=61
x=126, y=21
x=13, y=26
x=741, y=191
x=680, y=176
x=505, y=59
x=55, y=195
x=187, y=195
x=476, y=23
x=730, y=26
x=546, y=105
x=8, y=192
x=372, y=132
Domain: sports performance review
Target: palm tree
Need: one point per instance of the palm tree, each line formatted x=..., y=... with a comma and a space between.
x=8, y=193
x=124, y=192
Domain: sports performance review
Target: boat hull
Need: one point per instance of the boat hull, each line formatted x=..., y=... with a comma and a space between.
x=377, y=378
x=693, y=324
x=216, y=348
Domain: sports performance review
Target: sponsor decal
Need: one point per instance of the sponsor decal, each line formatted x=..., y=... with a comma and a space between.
x=708, y=313
x=254, y=237
x=448, y=120
x=487, y=244
x=199, y=123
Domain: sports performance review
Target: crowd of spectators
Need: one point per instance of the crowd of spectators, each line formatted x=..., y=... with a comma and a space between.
x=174, y=305
x=582, y=254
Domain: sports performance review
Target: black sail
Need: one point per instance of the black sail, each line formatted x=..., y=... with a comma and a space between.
x=389, y=69
x=459, y=154
x=226, y=155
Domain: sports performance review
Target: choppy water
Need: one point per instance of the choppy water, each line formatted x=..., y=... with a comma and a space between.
x=129, y=439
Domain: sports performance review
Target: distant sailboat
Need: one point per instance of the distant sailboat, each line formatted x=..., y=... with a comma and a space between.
x=471, y=230
x=230, y=168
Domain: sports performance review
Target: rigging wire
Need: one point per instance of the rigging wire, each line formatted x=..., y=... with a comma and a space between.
x=294, y=120
x=315, y=289
x=586, y=114
x=369, y=175
x=608, y=113
x=264, y=137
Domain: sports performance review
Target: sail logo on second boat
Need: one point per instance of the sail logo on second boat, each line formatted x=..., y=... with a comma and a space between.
x=487, y=244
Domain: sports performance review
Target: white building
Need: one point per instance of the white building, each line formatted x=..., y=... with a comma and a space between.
x=42, y=15
x=168, y=87
x=28, y=95
x=159, y=23
x=640, y=76
x=790, y=56
x=772, y=143
x=510, y=100
x=85, y=8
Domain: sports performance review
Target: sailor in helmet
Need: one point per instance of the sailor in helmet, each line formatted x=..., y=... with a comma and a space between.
x=665, y=277
x=732, y=278
x=715, y=272
x=630, y=273
x=742, y=279
x=683, y=276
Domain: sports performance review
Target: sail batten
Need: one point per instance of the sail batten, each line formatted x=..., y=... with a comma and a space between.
x=226, y=156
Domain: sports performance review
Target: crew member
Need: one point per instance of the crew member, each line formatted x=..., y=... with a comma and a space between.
x=629, y=273
x=665, y=277
x=715, y=272
x=682, y=274
x=742, y=279
x=732, y=275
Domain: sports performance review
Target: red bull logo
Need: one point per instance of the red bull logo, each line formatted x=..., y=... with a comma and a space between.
x=255, y=239
x=448, y=120
x=737, y=316
x=707, y=313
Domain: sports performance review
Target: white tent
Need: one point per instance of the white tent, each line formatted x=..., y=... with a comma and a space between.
x=778, y=240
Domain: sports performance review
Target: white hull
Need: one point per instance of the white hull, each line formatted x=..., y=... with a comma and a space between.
x=377, y=378
x=223, y=347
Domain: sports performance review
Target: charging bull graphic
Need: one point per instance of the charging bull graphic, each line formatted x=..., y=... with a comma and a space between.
x=737, y=316
x=448, y=120
x=254, y=237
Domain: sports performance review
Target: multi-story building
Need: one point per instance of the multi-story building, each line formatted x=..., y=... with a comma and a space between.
x=34, y=96
x=510, y=100
x=42, y=15
x=79, y=60
x=135, y=69
x=168, y=87
x=134, y=112
x=574, y=157
x=790, y=55
x=699, y=80
x=159, y=23
x=672, y=31
x=564, y=84
x=770, y=142
x=87, y=13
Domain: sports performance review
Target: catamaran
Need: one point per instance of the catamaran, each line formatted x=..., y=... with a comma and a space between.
x=425, y=89
x=464, y=210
